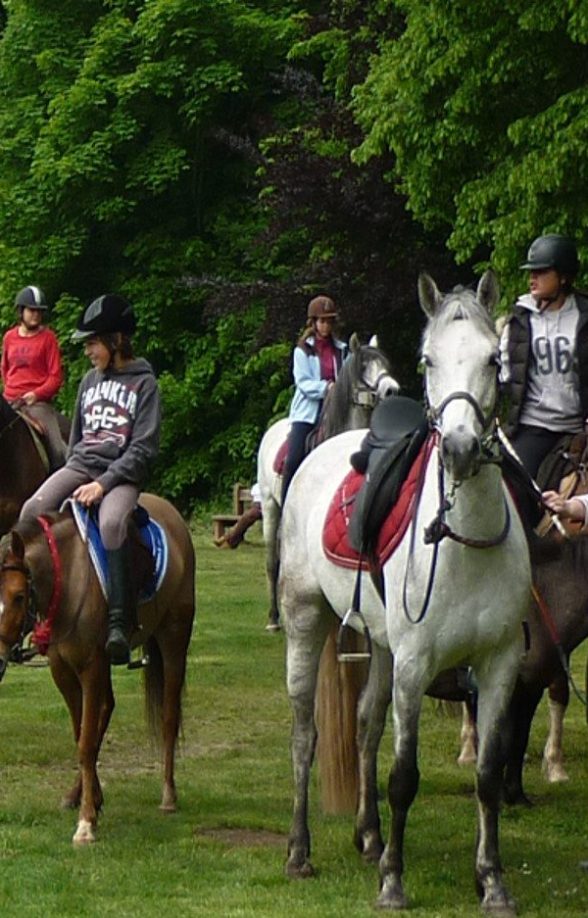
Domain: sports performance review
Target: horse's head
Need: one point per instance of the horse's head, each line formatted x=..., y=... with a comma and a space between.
x=14, y=596
x=460, y=359
x=363, y=381
x=370, y=368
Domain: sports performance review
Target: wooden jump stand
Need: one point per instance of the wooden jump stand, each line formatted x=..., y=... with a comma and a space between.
x=241, y=502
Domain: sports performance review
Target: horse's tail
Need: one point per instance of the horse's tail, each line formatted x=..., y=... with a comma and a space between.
x=338, y=690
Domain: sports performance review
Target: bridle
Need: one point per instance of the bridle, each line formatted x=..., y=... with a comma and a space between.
x=29, y=616
x=365, y=394
x=486, y=421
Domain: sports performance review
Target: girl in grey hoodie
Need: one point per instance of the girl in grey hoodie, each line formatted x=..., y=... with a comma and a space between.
x=114, y=439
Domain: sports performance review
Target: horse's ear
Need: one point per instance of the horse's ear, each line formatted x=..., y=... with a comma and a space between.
x=354, y=344
x=373, y=342
x=488, y=292
x=17, y=546
x=429, y=296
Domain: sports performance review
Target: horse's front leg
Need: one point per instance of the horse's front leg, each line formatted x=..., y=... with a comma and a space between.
x=403, y=782
x=67, y=681
x=307, y=627
x=495, y=681
x=97, y=704
x=372, y=709
x=559, y=698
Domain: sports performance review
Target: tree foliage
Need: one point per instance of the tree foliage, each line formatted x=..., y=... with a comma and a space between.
x=484, y=107
x=196, y=157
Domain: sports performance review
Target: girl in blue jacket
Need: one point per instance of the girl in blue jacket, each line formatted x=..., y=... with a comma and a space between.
x=317, y=360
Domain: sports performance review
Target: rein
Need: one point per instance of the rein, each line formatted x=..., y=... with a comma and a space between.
x=42, y=630
x=549, y=623
x=438, y=529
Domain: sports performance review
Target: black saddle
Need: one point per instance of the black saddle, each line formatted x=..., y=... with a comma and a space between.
x=397, y=432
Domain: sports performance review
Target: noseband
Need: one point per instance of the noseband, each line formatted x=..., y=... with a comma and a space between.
x=365, y=395
x=485, y=420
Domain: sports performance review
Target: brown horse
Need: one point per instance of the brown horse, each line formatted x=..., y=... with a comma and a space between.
x=79, y=665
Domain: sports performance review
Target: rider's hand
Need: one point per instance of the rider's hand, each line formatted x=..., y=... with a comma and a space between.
x=88, y=494
x=29, y=398
x=568, y=509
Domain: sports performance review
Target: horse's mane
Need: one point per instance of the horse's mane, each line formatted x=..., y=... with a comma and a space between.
x=336, y=406
x=7, y=413
x=336, y=410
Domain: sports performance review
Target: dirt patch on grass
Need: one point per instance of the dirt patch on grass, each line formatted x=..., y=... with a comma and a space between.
x=243, y=838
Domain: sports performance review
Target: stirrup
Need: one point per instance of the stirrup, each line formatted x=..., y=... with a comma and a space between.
x=353, y=656
x=140, y=663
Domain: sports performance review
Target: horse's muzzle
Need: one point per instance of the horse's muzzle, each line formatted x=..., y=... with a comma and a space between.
x=387, y=386
x=461, y=453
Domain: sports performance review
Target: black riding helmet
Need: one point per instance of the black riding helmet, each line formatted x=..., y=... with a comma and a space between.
x=552, y=251
x=106, y=315
x=33, y=297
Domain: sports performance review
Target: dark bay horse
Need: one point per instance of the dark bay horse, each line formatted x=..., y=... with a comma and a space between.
x=364, y=380
x=22, y=468
x=558, y=616
x=69, y=591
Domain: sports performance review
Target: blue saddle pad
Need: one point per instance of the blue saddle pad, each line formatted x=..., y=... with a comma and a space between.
x=152, y=536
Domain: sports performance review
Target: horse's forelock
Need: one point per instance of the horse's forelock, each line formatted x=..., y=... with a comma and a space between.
x=460, y=305
x=369, y=354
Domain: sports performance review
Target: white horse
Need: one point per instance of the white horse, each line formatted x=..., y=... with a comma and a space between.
x=455, y=599
x=363, y=381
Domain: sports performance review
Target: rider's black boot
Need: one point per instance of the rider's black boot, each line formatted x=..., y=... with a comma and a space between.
x=119, y=606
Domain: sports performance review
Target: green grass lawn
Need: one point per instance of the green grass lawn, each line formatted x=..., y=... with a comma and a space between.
x=223, y=852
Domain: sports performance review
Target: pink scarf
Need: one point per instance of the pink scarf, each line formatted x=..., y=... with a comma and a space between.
x=327, y=353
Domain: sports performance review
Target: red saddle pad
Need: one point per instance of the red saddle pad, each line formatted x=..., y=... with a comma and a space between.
x=335, y=543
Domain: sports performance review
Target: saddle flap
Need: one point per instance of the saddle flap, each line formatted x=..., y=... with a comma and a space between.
x=148, y=543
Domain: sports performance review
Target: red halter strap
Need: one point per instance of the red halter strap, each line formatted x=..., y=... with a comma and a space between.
x=42, y=630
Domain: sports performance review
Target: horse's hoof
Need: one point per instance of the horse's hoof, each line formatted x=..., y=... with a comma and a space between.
x=296, y=871
x=502, y=908
x=555, y=773
x=392, y=895
x=516, y=798
x=273, y=626
x=497, y=900
x=84, y=834
x=167, y=808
